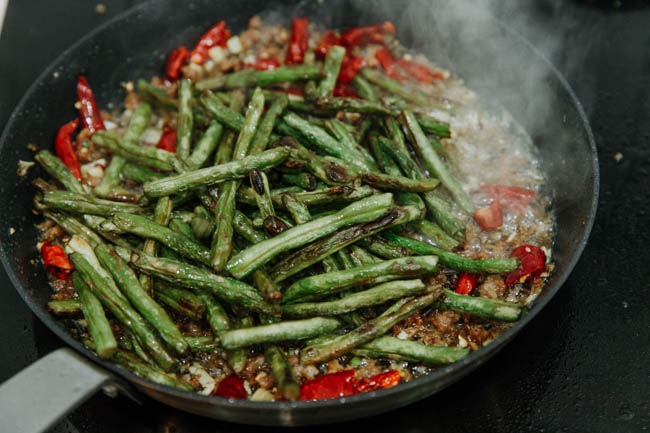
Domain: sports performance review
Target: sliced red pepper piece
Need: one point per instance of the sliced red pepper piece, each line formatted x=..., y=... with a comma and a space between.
x=264, y=64
x=418, y=71
x=55, y=260
x=175, y=62
x=368, y=35
x=349, y=68
x=167, y=140
x=489, y=217
x=345, y=91
x=65, y=150
x=385, y=59
x=378, y=381
x=299, y=41
x=513, y=198
x=466, y=283
x=231, y=387
x=329, y=39
x=217, y=35
x=327, y=386
x=91, y=118
x=294, y=91
x=532, y=263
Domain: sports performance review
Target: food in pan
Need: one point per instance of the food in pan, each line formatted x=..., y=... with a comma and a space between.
x=292, y=214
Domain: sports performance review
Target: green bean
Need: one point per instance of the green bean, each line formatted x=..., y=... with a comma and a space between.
x=228, y=290
x=282, y=370
x=383, y=248
x=364, y=89
x=365, y=333
x=482, y=307
x=216, y=174
x=397, y=88
x=180, y=300
x=205, y=146
x=73, y=227
x=320, y=139
x=78, y=203
x=145, y=155
x=202, y=344
x=335, y=194
x=64, y=307
x=436, y=234
x=276, y=332
x=139, y=173
x=144, y=227
x=332, y=66
x=99, y=327
x=318, y=286
x=185, y=119
x=127, y=281
x=216, y=314
x=455, y=261
x=361, y=211
x=339, y=129
x=161, y=215
x=251, y=77
x=59, y=171
x=303, y=180
x=244, y=228
x=434, y=126
x=433, y=163
x=142, y=369
x=387, y=347
x=296, y=208
x=398, y=183
x=266, y=125
x=366, y=298
x=317, y=251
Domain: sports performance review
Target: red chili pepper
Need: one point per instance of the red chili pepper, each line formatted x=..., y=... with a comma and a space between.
x=55, y=260
x=418, y=71
x=489, y=217
x=349, y=68
x=378, y=381
x=329, y=39
x=264, y=64
x=368, y=35
x=175, y=62
x=65, y=150
x=91, y=118
x=513, y=198
x=167, y=140
x=327, y=386
x=532, y=263
x=388, y=63
x=231, y=387
x=466, y=283
x=217, y=35
x=345, y=91
x=299, y=41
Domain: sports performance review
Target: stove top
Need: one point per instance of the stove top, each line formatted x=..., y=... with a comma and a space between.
x=581, y=365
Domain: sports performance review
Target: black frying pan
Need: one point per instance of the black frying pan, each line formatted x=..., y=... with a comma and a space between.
x=494, y=60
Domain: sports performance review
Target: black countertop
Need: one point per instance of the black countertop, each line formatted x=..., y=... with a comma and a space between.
x=581, y=365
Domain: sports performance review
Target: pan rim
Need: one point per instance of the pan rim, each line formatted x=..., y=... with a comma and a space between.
x=466, y=365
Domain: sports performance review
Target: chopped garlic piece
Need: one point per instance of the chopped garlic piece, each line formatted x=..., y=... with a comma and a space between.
x=206, y=381
x=217, y=54
x=262, y=395
x=234, y=45
x=109, y=125
x=403, y=335
x=461, y=341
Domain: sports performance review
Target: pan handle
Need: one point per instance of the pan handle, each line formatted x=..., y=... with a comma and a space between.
x=36, y=398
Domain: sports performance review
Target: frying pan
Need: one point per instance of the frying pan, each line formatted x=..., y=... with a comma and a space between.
x=135, y=44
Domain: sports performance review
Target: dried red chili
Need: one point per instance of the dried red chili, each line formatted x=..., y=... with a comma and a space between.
x=264, y=64
x=299, y=41
x=55, y=260
x=489, y=217
x=329, y=39
x=513, y=198
x=385, y=59
x=532, y=261
x=91, y=118
x=378, y=381
x=368, y=35
x=231, y=387
x=216, y=36
x=328, y=386
x=418, y=71
x=175, y=62
x=167, y=140
x=349, y=68
x=65, y=150
x=466, y=283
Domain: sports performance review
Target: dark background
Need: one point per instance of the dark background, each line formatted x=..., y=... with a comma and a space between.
x=581, y=365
